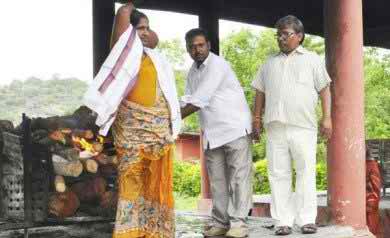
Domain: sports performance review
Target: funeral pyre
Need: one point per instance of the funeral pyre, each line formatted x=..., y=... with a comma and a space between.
x=83, y=163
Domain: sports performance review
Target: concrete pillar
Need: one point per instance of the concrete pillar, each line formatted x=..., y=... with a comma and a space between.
x=205, y=202
x=205, y=184
x=346, y=156
x=103, y=18
x=209, y=20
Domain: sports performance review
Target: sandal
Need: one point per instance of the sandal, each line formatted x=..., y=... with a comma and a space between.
x=309, y=229
x=283, y=230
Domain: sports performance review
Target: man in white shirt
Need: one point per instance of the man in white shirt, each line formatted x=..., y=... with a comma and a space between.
x=213, y=91
x=289, y=84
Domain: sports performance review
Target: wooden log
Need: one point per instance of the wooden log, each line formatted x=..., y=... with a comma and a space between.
x=57, y=135
x=107, y=170
x=90, y=165
x=63, y=204
x=113, y=160
x=70, y=154
x=59, y=183
x=90, y=190
x=66, y=168
x=39, y=135
x=104, y=159
x=6, y=125
x=101, y=159
x=97, y=147
x=106, y=207
x=86, y=134
x=109, y=200
x=86, y=154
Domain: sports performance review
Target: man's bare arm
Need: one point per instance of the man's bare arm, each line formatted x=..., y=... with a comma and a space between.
x=188, y=110
x=326, y=122
x=257, y=113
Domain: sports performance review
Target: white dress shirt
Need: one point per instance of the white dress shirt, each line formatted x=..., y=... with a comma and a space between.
x=224, y=112
x=291, y=84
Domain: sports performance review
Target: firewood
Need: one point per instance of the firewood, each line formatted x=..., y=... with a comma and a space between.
x=62, y=137
x=113, y=160
x=57, y=135
x=70, y=154
x=109, y=151
x=66, y=168
x=63, y=204
x=109, y=199
x=86, y=134
x=39, y=135
x=97, y=210
x=86, y=154
x=46, y=141
x=90, y=190
x=104, y=159
x=97, y=147
x=59, y=184
x=6, y=125
x=90, y=165
x=66, y=131
x=108, y=170
x=101, y=159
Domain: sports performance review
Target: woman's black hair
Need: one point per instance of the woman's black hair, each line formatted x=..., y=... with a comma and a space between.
x=136, y=17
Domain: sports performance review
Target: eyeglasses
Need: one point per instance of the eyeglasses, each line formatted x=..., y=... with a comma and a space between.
x=284, y=35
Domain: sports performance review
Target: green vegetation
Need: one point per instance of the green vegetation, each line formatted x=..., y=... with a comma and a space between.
x=246, y=51
x=186, y=178
x=43, y=98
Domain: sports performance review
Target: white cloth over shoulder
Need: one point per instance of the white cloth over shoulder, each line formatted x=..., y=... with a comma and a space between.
x=118, y=75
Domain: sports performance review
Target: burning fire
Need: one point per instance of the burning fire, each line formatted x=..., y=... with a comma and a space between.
x=85, y=145
x=89, y=146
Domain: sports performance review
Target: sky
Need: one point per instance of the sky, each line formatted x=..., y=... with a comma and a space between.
x=41, y=38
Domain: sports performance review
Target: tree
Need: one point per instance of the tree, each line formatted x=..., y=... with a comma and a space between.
x=174, y=51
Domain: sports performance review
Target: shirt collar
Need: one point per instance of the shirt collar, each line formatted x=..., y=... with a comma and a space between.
x=205, y=62
x=300, y=50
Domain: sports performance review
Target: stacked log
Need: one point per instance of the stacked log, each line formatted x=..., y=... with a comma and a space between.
x=63, y=204
x=82, y=161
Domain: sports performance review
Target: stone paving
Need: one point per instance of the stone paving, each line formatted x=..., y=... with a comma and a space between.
x=188, y=226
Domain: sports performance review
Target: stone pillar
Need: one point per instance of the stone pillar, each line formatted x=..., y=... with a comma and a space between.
x=346, y=156
x=205, y=202
x=103, y=18
x=209, y=21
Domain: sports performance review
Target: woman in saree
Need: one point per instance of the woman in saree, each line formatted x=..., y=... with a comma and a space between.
x=146, y=124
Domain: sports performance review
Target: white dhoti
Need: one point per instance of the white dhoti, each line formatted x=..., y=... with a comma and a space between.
x=285, y=144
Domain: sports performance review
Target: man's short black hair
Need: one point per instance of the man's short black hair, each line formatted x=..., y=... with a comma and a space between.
x=136, y=17
x=191, y=34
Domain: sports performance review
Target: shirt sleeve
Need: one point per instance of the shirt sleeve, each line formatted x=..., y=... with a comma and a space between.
x=258, y=81
x=321, y=76
x=187, y=91
x=201, y=95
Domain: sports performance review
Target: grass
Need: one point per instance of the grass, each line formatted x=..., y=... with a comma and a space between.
x=185, y=203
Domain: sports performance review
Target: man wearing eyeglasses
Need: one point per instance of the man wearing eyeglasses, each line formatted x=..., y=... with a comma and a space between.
x=287, y=89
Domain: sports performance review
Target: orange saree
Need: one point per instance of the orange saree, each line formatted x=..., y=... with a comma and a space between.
x=144, y=144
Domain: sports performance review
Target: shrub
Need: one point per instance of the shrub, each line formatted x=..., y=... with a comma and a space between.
x=261, y=182
x=186, y=178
